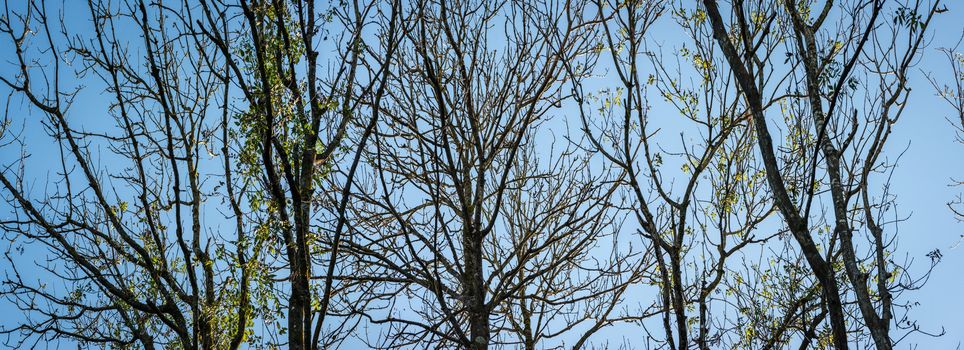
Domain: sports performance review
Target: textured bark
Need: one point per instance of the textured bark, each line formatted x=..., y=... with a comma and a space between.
x=475, y=292
x=797, y=224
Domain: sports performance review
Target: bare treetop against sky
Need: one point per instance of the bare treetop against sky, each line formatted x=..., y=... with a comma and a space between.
x=532, y=174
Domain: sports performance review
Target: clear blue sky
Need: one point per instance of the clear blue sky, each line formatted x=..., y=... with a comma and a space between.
x=921, y=181
x=921, y=184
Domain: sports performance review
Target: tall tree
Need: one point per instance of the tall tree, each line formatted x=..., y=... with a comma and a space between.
x=127, y=224
x=303, y=72
x=457, y=174
x=471, y=229
x=695, y=220
x=857, y=57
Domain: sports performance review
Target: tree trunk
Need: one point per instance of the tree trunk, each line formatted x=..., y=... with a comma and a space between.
x=475, y=292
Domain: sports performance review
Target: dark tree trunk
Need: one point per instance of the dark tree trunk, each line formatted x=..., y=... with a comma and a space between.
x=475, y=292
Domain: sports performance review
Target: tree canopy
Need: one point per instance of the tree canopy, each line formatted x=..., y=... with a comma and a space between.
x=225, y=174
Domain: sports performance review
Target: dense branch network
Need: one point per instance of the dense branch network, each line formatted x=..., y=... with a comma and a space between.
x=459, y=174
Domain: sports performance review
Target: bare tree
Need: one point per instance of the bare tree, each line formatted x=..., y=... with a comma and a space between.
x=457, y=174
x=699, y=200
x=127, y=224
x=952, y=91
x=143, y=237
x=295, y=120
x=462, y=236
x=834, y=66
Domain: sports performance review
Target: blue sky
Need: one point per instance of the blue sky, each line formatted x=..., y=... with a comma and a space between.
x=921, y=181
x=921, y=184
